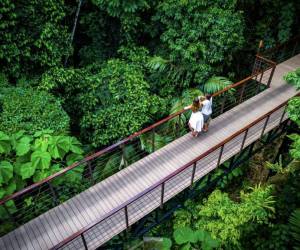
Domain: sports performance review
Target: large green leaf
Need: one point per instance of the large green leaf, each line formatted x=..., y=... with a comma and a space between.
x=58, y=146
x=40, y=159
x=23, y=146
x=166, y=244
x=27, y=170
x=184, y=235
x=6, y=172
x=41, y=144
x=4, y=143
x=10, y=188
x=75, y=146
x=208, y=242
x=15, y=138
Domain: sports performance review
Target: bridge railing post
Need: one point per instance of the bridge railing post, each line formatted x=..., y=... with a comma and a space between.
x=193, y=174
x=244, y=140
x=265, y=125
x=126, y=217
x=84, y=241
x=162, y=195
x=282, y=116
x=271, y=76
x=220, y=155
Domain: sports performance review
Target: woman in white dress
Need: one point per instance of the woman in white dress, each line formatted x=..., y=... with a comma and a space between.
x=196, y=121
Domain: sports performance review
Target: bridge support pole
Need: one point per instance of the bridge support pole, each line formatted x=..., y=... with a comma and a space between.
x=162, y=195
x=271, y=76
x=193, y=174
x=220, y=155
x=265, y=125
x=126, y=218
x=84, y=242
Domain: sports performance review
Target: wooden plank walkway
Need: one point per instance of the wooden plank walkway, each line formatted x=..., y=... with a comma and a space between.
x=57, y=224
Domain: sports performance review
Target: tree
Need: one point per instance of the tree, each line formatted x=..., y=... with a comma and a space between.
x=124, y=107
x=194, y=43
x=33, y=36
x=31, y=110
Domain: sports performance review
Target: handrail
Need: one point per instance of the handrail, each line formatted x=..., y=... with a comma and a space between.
x=121, y=142
x=168, y=177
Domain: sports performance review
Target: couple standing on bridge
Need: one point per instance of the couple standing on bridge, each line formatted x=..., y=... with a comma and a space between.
x=201, y=113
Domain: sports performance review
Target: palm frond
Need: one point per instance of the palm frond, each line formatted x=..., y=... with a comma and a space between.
x=215, y=84
x=158, y=63
x=294, y=223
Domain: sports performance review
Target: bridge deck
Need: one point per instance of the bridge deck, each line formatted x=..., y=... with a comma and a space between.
x=57, y=224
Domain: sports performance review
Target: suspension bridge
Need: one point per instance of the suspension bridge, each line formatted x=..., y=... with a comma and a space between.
x=111, y=204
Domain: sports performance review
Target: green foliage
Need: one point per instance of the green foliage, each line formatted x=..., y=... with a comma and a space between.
x=3, y=80
x=194, y=43
x=31, y=158
x=31, y=110
x=294, y=223
x=101, y=35
x=126, y=104
x=27, y=158
x=230, y=177
x=295, y=146
x=225, y=219
x=215, y=84
x=128, y=13
x=293, y=78
x=287, y=18
x=187, y=237
x=274, y=237
x=29, y=41
x=293, y=110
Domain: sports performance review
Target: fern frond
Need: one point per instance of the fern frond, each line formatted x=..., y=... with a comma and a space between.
x=294, y=223
x=215, y=84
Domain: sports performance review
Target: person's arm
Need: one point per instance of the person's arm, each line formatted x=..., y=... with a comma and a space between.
x=187, y=107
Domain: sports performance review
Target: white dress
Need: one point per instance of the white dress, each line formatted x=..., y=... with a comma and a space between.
x=196, y=121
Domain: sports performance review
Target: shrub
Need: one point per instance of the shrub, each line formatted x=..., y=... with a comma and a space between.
x=293, y=78
x=31, y=110
x=123, y=103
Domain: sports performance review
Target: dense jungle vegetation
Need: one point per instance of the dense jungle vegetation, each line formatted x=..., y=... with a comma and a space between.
x=77, y=76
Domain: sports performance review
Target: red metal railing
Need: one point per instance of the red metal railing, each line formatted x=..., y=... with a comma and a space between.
x=95, y=165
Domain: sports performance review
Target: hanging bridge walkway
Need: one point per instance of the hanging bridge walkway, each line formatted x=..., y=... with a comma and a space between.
x=106, y=208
